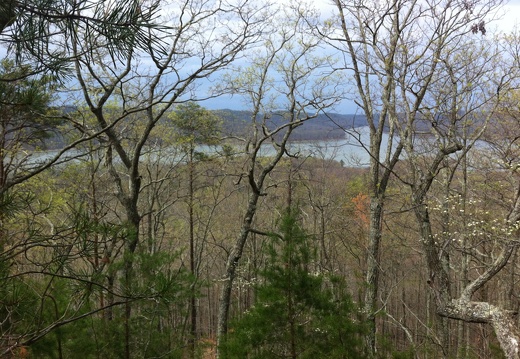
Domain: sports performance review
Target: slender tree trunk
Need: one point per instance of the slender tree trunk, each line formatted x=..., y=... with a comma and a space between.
x=463, y=333
x=231, y=266
x=128, y=313
x=128, y=269
x=372, y=273
x=193, y=299
x=443, y=330
x=128, y=288
x=292, y=326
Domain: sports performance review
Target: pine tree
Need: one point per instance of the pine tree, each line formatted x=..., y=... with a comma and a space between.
x=299, y=313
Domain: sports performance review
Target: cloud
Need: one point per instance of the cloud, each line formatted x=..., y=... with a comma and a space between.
x=510, y=19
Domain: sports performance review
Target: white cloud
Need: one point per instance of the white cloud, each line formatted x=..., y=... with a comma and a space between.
x=511, y=16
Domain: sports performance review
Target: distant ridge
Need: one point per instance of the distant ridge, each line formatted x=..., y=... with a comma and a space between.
x=330, y=126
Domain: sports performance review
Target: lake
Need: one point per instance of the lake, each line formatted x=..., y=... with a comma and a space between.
x=349, y=150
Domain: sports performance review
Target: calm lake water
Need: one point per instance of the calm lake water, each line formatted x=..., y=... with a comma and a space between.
x=350, y=150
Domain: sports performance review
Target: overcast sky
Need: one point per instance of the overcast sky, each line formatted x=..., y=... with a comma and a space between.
x=507, y=19
x=512, y=15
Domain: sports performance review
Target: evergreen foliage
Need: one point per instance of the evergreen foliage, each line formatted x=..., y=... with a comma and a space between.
x=298, y=313
x=42, y=31
x=26, y=120
x=195, y=125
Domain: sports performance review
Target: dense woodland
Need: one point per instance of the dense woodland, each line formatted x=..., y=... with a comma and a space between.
x=136, y=223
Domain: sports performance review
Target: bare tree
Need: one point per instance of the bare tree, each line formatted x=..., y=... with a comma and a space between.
x=459, y=116
x=286, y=84
x=392, y=52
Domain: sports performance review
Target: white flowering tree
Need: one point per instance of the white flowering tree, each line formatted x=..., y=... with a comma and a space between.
x=469, y=220
x=422, y=73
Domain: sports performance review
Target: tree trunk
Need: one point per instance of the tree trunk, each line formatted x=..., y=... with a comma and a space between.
x=464, y=308
x=231, y=266
x=193, y=299
x=501, y=320
x=372, y=273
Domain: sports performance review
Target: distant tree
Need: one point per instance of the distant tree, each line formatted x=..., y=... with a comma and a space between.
x=193, y=125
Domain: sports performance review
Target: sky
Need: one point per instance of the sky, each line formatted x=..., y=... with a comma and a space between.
x=507, y=20
x=511, y=17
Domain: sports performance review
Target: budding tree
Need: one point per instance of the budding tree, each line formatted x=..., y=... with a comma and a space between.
x=287, y=83
x=393, y=51
x=128, y=63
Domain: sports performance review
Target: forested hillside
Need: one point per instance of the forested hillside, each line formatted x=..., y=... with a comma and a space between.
x=137, y=223
x=325, y=126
